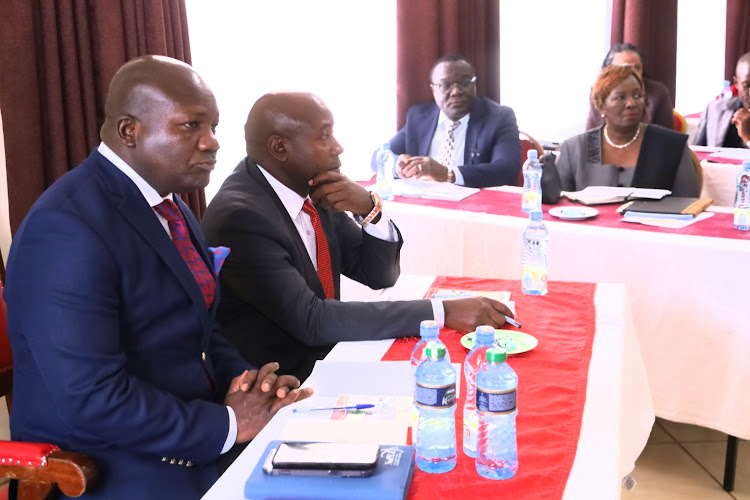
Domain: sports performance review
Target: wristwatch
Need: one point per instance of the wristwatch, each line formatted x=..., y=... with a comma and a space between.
x=374, y=215
x=451, y=176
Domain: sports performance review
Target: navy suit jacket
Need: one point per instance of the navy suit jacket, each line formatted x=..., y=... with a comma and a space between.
x=492, y=154
x=273, y=306
x=115, y=352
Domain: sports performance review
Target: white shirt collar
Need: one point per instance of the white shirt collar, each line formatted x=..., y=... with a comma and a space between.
x=442, y=118
x=291, y=200
x=152, y=196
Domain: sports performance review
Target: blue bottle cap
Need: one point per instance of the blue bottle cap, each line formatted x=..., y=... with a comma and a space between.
x=429, y=328
x=536, y=215
x=496, y=355
x=746, y=165
x=485, y=335
x=387, y=145
x=435, y=351
x=532, y=153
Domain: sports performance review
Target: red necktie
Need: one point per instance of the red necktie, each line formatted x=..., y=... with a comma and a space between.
x=181, y=238
x=323, y=255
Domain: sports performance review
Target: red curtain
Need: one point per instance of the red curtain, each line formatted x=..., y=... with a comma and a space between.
x=429, y=29
x=652, y=27
x=57, y=58
x=738, y=34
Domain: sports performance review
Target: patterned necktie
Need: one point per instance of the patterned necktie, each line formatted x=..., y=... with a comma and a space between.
x=181, y=238
x=323, y=255
x=445, y=155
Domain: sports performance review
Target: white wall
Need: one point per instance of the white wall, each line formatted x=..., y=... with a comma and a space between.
x=4, y=217
x=343, y=51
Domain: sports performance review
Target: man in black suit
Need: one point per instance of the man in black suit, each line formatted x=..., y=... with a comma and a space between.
x=277, y=302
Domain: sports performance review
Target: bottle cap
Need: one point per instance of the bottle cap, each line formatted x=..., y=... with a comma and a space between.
x=429, y=328
x=532, y=153
x=485, y=335
x=496, y=355
x=387, y=145
x=746, y=165
x=536, y=215
x=435, y=351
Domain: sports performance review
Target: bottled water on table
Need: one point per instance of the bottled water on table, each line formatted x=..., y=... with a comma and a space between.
x=534, y=264
x=384, y=177
x=497, y=451
x=726, y=92
x=428, y=331
x=435, y=396
x=742, y=200
x=532, y=183
x=485, y=339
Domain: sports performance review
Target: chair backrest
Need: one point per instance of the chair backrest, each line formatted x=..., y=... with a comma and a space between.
x=680, y=124
x=698, y=169
x=527, y=143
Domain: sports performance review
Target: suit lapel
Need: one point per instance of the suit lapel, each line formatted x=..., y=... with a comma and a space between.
x=426, y=139
x=474, y=127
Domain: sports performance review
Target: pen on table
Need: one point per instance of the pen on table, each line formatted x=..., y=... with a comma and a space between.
x=352, y=407
x=512, y=321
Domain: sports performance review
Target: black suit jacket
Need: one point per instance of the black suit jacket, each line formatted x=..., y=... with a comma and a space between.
x=273, y=305
x=492, y=152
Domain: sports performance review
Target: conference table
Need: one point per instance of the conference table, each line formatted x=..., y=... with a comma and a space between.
x=687, y=287
x=615, y=417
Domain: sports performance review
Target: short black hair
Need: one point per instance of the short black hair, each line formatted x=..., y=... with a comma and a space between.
x=616, y=49
x=452, y=58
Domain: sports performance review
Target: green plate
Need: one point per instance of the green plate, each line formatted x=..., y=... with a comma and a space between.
x=519, y=341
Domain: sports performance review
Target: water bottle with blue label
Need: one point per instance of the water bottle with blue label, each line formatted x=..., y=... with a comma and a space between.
x=534, y=264
x=384, y=176
x=531, y=199
x=435, y=398
x=742, y=200
x=485, y=339
x=497, y=449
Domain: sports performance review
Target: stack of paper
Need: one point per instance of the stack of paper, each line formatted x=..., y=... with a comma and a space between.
x=432, y=190
x=601, y=195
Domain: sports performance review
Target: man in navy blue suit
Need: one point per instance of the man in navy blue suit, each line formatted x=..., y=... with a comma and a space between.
x=111, y=303
x=461, y=137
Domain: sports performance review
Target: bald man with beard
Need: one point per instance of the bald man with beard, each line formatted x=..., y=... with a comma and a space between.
x=280, y=287
x=111, y=299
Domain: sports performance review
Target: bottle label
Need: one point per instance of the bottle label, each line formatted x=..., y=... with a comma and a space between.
x=471, y=431
x=534, y=278
x=530, y=200
x=742, y=217
x=496, y=402
x=433, y=396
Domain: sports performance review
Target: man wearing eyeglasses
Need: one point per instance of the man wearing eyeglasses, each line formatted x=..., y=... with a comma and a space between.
x=461, y=138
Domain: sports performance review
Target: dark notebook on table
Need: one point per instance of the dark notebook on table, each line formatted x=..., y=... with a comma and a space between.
x=669, y=205
x=390, y=481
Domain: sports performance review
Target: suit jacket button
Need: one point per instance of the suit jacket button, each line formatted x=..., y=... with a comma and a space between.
x=164, y=459
x=203, y=356
x=189, y=463
x=172, y=461
x=180, y=462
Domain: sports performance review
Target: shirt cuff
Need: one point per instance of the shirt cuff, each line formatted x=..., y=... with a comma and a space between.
x=383, y=230
x=438, y=311
x=459, y=177
x=232, y=436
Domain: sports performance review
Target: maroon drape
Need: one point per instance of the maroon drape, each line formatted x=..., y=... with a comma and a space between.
x=652, y=27
x=428, y=29
x=57, y=58
x=738, y=34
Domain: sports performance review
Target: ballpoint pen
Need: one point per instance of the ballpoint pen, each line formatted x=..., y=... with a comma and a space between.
x=512, y=321
x=352, y=407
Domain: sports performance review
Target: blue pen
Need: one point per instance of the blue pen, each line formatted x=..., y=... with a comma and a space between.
x=352, y=407
x=512, y=321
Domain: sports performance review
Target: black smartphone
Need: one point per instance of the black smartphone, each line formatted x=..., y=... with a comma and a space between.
x=322, y=459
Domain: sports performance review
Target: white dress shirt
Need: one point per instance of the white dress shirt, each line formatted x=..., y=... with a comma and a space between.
x=459, y=136
x=153, y=198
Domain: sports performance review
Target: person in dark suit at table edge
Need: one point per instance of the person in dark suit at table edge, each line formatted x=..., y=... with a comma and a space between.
x=111, y=296
x=485, y=151
x=726, y=122
x=281, y=288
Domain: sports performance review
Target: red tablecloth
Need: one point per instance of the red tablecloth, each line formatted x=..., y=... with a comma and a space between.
x=721, y=225
x=552, y=381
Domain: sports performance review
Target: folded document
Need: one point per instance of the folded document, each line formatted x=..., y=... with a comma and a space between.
x=432, y=190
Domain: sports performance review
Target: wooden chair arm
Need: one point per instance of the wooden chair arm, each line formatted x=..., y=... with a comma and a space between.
x=72, y=472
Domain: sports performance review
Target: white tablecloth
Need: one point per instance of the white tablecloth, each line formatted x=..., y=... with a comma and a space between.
x=617, y=418
x=719, y=182
x=690, y=310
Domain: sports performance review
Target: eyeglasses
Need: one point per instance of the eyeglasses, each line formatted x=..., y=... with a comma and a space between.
x=445, y=88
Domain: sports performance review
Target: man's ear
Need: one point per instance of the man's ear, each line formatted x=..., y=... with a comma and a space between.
x=278, y=147
x=127, y=130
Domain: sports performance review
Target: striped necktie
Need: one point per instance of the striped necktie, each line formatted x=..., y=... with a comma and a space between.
x=445, y=155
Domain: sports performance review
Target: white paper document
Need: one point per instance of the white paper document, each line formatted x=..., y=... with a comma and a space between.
x=730, y=154
x=665, y=221
x=433, y=190
x=599, y=195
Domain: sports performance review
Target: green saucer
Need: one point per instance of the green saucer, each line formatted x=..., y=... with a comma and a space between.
x=519, y=341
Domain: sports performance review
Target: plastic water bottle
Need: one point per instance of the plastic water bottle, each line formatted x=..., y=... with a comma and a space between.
x=435, y=396
x=485, y=339
x=428, y=331
x=532, y=183
x=384, y=178
x=534, y=265
x=497, y=450
x=726, y=92
x=742, y=201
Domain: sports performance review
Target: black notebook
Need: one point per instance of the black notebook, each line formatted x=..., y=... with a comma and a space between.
x=669, y=205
